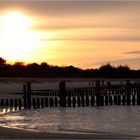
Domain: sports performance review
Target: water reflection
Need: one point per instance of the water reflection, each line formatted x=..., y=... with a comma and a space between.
x=9, y=109
x=82, y=120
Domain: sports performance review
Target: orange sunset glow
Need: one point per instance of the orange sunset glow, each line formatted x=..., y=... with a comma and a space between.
x=83, y=34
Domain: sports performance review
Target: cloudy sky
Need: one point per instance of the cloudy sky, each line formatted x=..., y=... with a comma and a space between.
x=85, y=34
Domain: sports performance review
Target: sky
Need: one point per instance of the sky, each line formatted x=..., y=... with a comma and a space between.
x=85, y=34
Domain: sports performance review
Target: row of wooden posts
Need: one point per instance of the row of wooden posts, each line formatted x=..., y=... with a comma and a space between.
x=11, y=103
x=128, y=94
x=75, y=101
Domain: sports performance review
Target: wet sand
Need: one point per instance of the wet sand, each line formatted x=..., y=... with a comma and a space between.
x=9, y=133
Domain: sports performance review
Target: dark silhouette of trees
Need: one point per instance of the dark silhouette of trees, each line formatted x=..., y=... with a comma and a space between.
x=44, y=70
x=107, y=70
x=2, y=61
x=123, y=71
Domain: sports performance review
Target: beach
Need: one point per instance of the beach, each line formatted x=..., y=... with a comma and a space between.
x=108, y=122
x=59, y=124
x=70, y=69
x=9, y=133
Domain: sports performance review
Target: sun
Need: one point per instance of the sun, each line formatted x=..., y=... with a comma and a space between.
x=15, y=20
x=15, y=36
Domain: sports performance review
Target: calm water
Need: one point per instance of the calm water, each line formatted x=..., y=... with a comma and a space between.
x=118, y=120
x=15, y=87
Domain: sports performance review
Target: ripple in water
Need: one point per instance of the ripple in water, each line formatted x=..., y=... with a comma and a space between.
x=120, y=120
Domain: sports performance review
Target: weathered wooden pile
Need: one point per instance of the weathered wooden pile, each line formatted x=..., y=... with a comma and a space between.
x=99, y=95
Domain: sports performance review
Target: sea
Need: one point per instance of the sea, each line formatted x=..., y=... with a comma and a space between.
x=118, y=120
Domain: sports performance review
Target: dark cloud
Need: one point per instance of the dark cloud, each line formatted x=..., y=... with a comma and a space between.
x=69, y=7
x=90, y=8
x=119, y=38
x=133, y=52
x=102, y=38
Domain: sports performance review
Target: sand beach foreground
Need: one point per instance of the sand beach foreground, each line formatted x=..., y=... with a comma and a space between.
x=9, y=133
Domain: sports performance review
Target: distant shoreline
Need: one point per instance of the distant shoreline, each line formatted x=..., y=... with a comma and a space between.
x=44, y=70
x=43, y=80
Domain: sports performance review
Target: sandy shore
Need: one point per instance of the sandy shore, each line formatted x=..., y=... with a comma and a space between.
x=9, y=133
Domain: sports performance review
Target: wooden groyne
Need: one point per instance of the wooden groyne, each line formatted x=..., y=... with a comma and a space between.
x=99, y=95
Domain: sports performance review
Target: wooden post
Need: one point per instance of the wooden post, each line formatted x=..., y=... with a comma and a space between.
x=2, y=102
x=128, y=99
x=38, y=103
x=138, y=99
x=34, y=103
x=29, y=95
x=83, y=101
x=119, y=99
x=11, y=103
x=121, y=93
x=24, y=96
x=110, y=99
x=128, y=91
x=98, y=93
x=69, y=101
x=102, y=100
x=78, y=101
x=56, y=101
x=103, y=83
x=74, y=101
x=62, y=94
x=51, y=102
x=106, y=99
x=87, y=100
x=42, y=102
x=115, y=99
x=7, y=102
x=20, y=104
x=123, y=99
x=69, y=93
x=138, y=95
x=46, y=102
x=92, y=100
x=16, y=104
x=133, y=97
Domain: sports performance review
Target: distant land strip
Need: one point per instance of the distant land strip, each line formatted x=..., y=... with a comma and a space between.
x=44, y=70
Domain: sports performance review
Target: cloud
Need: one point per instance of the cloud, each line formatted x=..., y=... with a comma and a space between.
x=64, y=7
x=66, y=13
x=102, y=38
x=119, y=38
x=133, y=52
x=67, y=26
x=61, y=26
